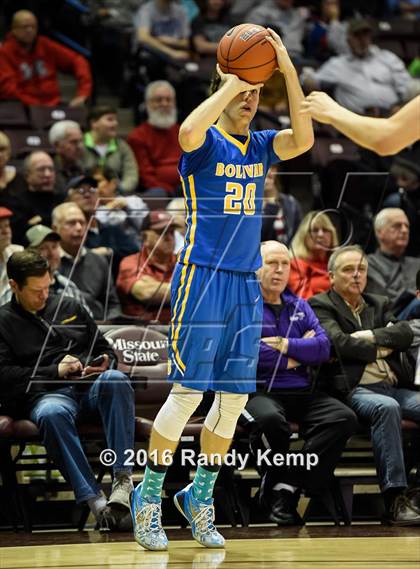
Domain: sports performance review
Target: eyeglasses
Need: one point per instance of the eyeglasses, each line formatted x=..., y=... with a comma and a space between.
x=85, y=191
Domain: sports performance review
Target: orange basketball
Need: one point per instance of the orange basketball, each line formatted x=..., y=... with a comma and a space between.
x=245, y=52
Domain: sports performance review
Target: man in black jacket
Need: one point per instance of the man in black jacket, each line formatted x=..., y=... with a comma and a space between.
x=90, y=271
x=367, y=346
x=56, y=369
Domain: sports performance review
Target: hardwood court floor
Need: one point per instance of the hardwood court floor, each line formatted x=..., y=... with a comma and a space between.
x=332, y=552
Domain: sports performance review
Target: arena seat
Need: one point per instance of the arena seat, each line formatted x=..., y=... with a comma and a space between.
x=43, y=118
x=325, y=150
x=24, y=142
x=400, y=28
x=13, y=115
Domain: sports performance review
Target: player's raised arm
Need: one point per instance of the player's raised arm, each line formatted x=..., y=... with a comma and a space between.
x=192, y=132
x=300, y=137
x=383, y=136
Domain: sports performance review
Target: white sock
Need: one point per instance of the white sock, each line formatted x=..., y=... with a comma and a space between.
x=97, y=504
x=281, y=486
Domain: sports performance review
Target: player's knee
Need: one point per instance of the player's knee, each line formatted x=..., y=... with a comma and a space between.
x=178, y=408
x=232, y=404
x=184, y=399
x=224, y=413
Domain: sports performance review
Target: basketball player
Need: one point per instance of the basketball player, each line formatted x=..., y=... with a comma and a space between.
x=383, y=136
x=216, y=299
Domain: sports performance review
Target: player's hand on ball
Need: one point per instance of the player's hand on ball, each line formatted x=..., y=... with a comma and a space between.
x=284, y=62
x=320, y=106
x=240, y=85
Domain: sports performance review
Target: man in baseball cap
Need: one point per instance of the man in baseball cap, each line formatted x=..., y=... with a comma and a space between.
x=83, y=190
x=103, y=239
x=158, y=220
x=39, y=233
x=6, y=250
x=47, y=243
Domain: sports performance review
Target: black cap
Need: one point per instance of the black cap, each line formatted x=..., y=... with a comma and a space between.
x=78, y=181
x=359, y=25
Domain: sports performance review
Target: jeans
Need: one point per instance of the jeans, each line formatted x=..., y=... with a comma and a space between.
x=111, y=399
x=382, y=406
x=412, y=310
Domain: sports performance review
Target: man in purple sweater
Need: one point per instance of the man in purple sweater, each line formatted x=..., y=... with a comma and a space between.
x=292, y=341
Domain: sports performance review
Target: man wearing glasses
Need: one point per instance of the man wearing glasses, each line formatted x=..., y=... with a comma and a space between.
x=102, y=239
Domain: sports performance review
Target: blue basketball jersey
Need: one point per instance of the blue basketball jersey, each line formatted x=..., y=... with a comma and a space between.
x=223, y=184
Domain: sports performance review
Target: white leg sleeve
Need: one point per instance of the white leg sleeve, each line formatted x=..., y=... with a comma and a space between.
x=224, y=413
x=175, y=412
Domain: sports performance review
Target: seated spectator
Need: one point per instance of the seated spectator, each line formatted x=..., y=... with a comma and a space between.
x=289, y=22
x=46, y=242
x=111, y=27
x=367, y=372
x=29, y=64
x=239, y=10
x=104, y=148
x=144, y=279
x=11, y=181
x=90, y=272
x=208, y=28
x=367, y=79
x=392, y=272
x=109, y=239
x=282, y=213
x=163, y=30
x=33, y=201
x=327, y=34
x=405, y=172
x=6, y=250
x=67, y=139
x=37, y=382
x=113, y=209
x=288, y=348
x=311, y=247
x=155, y=142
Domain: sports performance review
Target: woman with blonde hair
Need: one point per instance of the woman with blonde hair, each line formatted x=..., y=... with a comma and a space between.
x=311, y=247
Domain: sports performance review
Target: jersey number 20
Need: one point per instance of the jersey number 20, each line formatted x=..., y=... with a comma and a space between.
x=235, y=200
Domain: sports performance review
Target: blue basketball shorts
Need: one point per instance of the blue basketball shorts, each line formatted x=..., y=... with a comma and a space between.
x=215, y=329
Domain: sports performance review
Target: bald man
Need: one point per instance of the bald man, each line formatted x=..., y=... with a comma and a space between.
x=29, y=63
x=292, y=342
x=36, y=201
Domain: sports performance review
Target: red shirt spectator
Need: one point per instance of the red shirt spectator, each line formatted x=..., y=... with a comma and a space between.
x=308, y=277
x=311, y=247
x=155, y=142
x=29, y=65
x=143, y=281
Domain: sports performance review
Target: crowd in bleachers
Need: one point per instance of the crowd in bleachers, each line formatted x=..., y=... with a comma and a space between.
x=107, y=212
